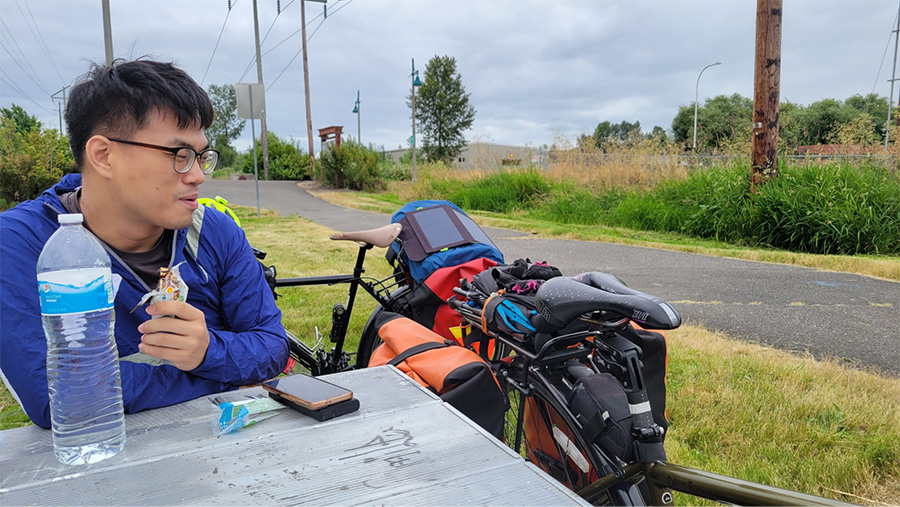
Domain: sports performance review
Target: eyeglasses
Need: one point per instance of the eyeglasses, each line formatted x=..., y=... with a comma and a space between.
x=184, y=156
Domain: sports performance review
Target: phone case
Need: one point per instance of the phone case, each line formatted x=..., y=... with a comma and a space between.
x=323, y=414
x=309, y=392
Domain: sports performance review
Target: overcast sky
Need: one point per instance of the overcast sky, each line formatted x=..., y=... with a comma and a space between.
x=536, y=70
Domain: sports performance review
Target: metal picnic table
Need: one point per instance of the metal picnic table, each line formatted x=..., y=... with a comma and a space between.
x=402, y=447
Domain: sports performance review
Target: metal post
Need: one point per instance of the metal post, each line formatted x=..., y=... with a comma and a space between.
x=887, y=125
x=358, y=121
x=413, y=81
x=696, y=98
x=107, y=33
x=253, y=135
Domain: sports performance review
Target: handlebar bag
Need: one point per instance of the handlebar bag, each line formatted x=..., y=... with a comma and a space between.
x=456, y=374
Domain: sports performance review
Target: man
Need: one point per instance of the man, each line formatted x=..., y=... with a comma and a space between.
x=136, y=129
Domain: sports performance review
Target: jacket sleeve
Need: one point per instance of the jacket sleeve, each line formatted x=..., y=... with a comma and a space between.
x=23, y=347
x=248, y=345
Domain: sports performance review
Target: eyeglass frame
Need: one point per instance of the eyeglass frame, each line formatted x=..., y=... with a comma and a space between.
x=174, y=151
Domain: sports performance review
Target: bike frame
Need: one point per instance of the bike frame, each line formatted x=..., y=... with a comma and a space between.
x=318, y=361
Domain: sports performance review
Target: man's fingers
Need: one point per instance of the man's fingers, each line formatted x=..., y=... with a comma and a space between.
x=178, y=309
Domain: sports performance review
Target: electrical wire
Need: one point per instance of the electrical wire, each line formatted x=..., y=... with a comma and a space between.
x=9, y=82
x=31, y=75
x=40, y=38
x=231, y=6
x=886, y=46
x=307, y=40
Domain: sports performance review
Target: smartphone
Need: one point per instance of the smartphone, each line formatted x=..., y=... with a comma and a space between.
x=308, y=392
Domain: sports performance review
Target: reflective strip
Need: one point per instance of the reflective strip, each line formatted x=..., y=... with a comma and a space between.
x=140, y=357
x=571, y=450
x=193, y=237
x=640, y=408
x=193, y=234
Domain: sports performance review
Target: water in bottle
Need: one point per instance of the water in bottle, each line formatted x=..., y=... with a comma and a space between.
x=77, y=311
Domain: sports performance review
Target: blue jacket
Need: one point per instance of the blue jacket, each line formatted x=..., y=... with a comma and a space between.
x=247, y=342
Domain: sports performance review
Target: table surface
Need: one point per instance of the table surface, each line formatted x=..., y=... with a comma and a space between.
x=402, y=447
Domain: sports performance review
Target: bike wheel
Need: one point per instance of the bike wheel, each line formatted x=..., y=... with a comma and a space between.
x=549, y=440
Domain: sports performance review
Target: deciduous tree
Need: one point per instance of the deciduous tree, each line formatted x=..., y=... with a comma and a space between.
x=227, y=126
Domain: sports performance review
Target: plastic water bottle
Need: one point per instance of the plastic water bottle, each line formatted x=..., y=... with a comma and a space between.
x=77, y=311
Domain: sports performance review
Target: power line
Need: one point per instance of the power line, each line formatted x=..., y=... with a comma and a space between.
x=9, y=82
x=266, y=36
x=33, y=75
x=886, y=46
x=230, y=5
x=40, y=38
x=307, y=40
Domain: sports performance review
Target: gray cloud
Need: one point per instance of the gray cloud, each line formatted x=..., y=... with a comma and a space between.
x=532, y=68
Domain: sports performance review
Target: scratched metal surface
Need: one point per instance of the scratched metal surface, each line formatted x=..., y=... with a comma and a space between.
x=402, y=447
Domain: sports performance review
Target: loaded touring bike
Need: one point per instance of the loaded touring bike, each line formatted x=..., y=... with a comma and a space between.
x=583, y=374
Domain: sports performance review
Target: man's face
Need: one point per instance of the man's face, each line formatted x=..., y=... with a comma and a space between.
x=150, y=193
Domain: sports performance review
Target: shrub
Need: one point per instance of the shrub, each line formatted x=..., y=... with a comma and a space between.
x=351, y=166
x=286, y=161
x=31, y=161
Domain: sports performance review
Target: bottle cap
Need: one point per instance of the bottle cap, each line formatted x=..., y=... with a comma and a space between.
x=71, y=218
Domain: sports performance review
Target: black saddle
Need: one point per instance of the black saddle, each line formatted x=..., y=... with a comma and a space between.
x=561, y=300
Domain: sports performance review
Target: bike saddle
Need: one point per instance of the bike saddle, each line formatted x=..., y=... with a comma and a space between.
x=381, y=237
x=561, y=300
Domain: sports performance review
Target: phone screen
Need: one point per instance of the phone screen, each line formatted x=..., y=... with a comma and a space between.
x=307, y=391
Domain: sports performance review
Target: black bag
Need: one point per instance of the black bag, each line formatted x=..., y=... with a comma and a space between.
x=601, y=406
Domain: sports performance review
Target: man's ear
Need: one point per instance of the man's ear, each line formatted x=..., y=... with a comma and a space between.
x=97, y=155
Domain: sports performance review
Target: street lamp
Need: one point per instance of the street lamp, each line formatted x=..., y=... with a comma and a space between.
x=696, y=98
x=415, y=82
x=358, y=123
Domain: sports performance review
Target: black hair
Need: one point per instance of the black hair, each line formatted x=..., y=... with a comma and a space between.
x=117, y=99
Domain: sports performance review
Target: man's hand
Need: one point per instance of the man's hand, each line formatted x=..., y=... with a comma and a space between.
x=182, y=340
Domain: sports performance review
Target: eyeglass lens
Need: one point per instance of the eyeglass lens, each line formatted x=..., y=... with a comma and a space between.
x=184, y=159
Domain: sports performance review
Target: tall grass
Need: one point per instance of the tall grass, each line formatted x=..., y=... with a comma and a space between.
x=497, y=191
x=826, y=209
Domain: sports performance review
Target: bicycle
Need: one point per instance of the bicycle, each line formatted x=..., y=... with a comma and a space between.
x=543, y=367
x=386, y=292
x=539, y=371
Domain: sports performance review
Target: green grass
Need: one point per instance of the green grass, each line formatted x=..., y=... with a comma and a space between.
x=736, y=409
x=579, y=200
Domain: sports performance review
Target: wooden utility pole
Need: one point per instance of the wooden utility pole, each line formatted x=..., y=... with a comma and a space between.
x=766, y=92
x=263, y=131
x=107, y=32
x=309, y=133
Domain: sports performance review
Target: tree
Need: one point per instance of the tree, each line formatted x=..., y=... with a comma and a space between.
x=443, y=110
x=23, y=122
x=719, y=121
x=611, y=135
x=820, y=118
x=227, y=126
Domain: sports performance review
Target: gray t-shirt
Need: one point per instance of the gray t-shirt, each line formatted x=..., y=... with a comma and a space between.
x=145, y=264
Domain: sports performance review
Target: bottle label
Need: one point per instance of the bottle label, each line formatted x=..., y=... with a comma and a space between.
x=75, y=291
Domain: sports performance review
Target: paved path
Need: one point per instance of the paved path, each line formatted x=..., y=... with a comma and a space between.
x=799, y=309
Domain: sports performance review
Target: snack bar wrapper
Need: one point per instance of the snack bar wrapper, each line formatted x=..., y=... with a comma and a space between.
x=170, y=288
